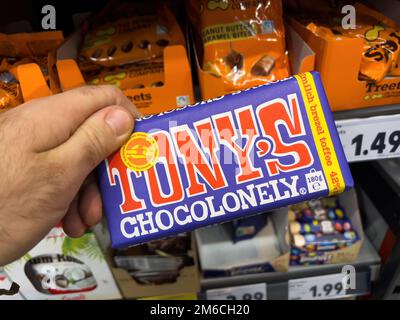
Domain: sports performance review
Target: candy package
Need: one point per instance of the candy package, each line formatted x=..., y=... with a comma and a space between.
x=23, y=48
x=10, y=93
x=223, y=159
x=130, y=38
x=241, y=42
x=131, y=76
x=381, y=41
x=318, y=227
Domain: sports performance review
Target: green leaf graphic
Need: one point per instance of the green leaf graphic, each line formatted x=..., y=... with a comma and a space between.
x=85, y=245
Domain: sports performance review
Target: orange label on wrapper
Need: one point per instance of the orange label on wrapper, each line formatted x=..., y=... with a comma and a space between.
x=243, y=41
x=141, y=152
x=320, y=131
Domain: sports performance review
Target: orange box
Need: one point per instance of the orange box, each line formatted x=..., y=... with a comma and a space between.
x=301, y=59
x=32, y=82
x=177, y=90
x=338, y=62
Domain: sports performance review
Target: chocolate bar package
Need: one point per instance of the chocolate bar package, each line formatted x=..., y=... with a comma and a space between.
x=229, y=157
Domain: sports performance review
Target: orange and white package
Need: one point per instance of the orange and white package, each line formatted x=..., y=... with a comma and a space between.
x=134, y=76
x=243, y=42
x=381, y=45
x=131, y=39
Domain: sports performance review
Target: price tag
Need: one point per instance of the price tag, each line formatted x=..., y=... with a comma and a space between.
x=248, y=292
x=370, y=138
x=317, y=288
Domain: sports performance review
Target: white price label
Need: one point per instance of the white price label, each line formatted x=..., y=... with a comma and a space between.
x=248, y=292
x=370, y=138
x=317, y=288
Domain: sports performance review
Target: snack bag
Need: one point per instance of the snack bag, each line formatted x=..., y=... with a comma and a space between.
x=21, y=45
x=10, y=93
x=132, y=76
x=130, y=39
x=23, y=48
x=243, y=42
x=381, y=43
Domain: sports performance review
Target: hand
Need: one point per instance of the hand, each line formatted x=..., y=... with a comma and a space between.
x=49, y=147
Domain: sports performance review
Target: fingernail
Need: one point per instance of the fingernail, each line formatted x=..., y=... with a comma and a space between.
x=119, y=121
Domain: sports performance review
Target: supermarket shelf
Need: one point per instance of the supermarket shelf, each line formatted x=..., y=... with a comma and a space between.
x=390, y=169
x=382, y=185
x=367, y=112
x=367, y=267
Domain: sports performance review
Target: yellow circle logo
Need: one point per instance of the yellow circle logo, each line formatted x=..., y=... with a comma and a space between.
x=141, y=151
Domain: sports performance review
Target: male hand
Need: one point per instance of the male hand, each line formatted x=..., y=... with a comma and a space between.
x=49, y=147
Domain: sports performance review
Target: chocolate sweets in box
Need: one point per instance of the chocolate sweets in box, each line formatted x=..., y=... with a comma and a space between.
x=326, y=230
x=222, y=159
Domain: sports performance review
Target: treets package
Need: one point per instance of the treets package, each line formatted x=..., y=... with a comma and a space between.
x=223, y=159
x=131, y=38
x=20, y=49
x=381, y=43
x=131, y=76
x=240, y=42
x=359, y=66
x=138, y=47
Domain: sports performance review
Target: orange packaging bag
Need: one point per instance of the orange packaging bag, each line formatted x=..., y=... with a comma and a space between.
x=130, y=39
x=381, y=43
x=22, y=48
x=10, y=93
x=243, y=42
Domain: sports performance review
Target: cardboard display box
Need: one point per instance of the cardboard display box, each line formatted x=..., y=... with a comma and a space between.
x=32, y=81
x=177, y=90
x=338, y=62
x=301, y=59
x=187, y=284
x=348, y=201
x=62, y=268
x=267, y=251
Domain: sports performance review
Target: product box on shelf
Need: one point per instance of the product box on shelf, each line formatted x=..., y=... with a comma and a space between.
x=339, y=59
x=63, y=268
x=301, y=59
x=174, y=90
x=26, y=66
x=248, y=227
x=336, y=233
x=267, y=251
x=184, y=284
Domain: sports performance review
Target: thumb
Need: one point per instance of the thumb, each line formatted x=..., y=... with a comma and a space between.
x=99, y=136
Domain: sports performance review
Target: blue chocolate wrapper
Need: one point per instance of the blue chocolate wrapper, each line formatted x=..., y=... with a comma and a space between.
x=222, y=159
